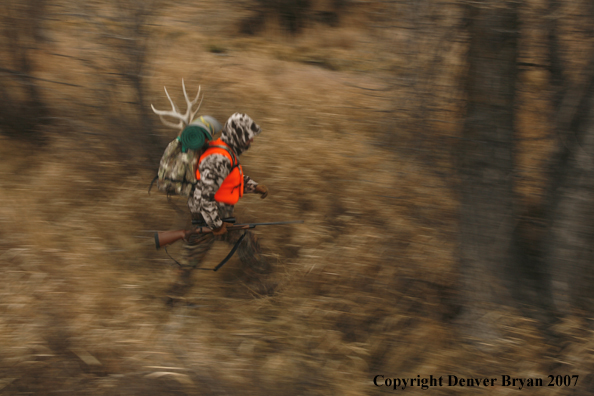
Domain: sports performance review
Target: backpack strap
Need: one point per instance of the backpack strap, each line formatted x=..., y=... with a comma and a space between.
x=171, y=180
x=152, y=182
x=234, y=160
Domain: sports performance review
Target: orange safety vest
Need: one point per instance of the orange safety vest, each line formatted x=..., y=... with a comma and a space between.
x=232, y=188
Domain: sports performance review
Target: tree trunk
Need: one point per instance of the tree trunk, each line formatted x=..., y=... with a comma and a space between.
x=487, y=217
x=566, y=250
x=569, y=246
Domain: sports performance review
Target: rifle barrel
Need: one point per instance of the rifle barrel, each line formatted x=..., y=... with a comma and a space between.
x=271, y=223
x=165, y=238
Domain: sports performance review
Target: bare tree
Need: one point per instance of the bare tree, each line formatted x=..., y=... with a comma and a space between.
x=549, y=273
x=119, y=57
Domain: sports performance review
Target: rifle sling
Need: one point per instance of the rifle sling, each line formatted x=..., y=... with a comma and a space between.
x=230, y=253
x=151, y=186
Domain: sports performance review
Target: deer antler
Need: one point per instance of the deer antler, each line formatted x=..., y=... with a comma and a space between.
x=184, y=119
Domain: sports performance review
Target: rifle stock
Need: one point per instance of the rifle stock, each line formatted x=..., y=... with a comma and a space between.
x=164, y=238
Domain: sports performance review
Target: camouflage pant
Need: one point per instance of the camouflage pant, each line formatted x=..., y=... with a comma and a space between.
x=248, y=251
x=198, y=246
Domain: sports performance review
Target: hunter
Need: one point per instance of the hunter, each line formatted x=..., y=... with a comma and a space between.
x=220, y=185
x=208, y=172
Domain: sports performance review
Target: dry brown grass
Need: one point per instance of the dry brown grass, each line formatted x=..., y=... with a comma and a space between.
x=362, y=288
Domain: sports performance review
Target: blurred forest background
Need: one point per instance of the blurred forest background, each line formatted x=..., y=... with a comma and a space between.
x=441, y=154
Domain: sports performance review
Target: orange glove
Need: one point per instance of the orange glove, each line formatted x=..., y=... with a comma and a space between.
x=262, y=190
x=221, y=230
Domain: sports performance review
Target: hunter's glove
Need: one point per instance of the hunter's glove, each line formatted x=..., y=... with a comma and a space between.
x=221, y=230
x=262, y=190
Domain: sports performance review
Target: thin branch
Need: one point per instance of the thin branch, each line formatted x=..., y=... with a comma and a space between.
x=30, y=77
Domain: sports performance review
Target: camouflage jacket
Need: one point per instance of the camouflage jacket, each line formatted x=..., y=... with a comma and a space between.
x=237, y=132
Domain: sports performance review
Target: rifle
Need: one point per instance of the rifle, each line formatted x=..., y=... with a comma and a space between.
x=164, y=238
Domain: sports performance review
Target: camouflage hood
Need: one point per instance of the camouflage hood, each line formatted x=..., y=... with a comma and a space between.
x=238, y=131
